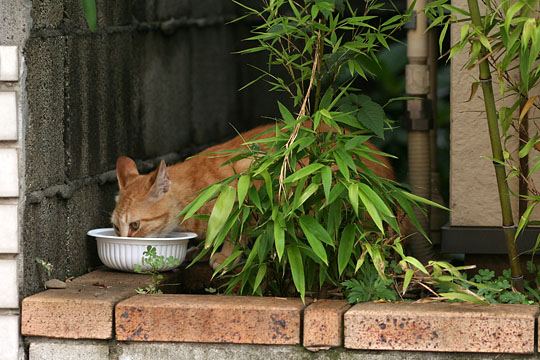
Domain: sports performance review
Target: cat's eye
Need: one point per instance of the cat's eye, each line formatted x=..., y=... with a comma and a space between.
x=134, y=226
x=116, y=228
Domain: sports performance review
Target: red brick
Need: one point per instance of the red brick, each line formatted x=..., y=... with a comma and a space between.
x=323, y=324
x=455, y=327
x=209, y=318
x=84, y=310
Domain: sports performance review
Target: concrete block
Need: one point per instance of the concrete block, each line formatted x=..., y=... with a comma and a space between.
x=9, y=337
x=167, y=9
x=195, y=351
x=8, y=115
x=44, y=127
x=207, y=8
x=68, y=350
x=9, y=240
x=145, y=11
x=47, y=13
x=323, y=324
x=103, y=120
x=449, y=327
x=215, y=105
x=257, y=102
x=9, y=176
x=209, y=319
x=9, y=291
x=59, y=234
x=166, y=93
x=9, y=63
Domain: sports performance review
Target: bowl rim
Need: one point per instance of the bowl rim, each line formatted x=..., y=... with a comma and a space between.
x=98, y=233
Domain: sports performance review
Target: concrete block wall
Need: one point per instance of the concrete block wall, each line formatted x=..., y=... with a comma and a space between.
x=138, y=86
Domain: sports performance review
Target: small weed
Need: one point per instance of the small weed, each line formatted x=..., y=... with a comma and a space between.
x=152, y=263
x=46, y=266
x=369, y=286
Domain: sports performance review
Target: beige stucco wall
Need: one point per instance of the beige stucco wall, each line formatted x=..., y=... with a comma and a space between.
x=473, y=190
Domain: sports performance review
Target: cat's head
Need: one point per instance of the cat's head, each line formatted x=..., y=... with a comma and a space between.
x=142, y=205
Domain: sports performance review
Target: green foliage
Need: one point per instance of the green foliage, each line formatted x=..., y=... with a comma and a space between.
x=510, y=36
x=90, y=13
x=46, y=266
x=316, y=213
x=369, y=286
x=498, y=289
x=152, y=264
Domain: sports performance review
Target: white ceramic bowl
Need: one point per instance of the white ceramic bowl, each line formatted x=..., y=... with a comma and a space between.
x=123, y=253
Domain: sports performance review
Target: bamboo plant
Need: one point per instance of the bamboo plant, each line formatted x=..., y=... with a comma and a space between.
x=327, y=225
x=505, y=41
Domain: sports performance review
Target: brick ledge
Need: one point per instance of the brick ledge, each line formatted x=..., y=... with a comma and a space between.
x=103, y=305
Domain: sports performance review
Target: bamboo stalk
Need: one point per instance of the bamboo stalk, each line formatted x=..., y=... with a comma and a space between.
x=498, y=159
x=523, y=134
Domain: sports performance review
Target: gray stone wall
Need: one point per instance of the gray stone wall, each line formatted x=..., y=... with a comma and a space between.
x=102, y=350
x=158, y=76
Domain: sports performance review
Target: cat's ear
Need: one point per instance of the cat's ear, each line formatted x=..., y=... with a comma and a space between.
x=126, y=169
x=162, y=183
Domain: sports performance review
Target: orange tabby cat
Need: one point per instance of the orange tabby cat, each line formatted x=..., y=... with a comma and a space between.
x=149, y=204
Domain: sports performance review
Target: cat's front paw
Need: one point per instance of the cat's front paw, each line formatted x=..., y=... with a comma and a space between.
x=218, y=259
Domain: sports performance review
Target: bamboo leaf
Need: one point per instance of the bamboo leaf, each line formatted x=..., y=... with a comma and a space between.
x=279, y=237
x=297, y=270
x=311, y=233
x=353, y=196
x=417, y=264
x=199, y=201
x=524, y=219
x=243, y=185
x=345, y=247
x=220, y=213
x=253, y=253
x=303, y=172
x=268, y=185
x=527, y=106
x=372, y=211
x=421, y=200
x=286, y=114
x=254, y=196
x=513, y=10
x=375, y=199
x=360, y=261
x=524, y=151
x=90, y=13
x=407, y=280
x=474, y=89
x=316, y=229
x=326, y=177
x=228, y=261
x=310, y=190
x=443, y=35
x=259, y=278
x=342, y=166
x=462, y=297
x=377, y=258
